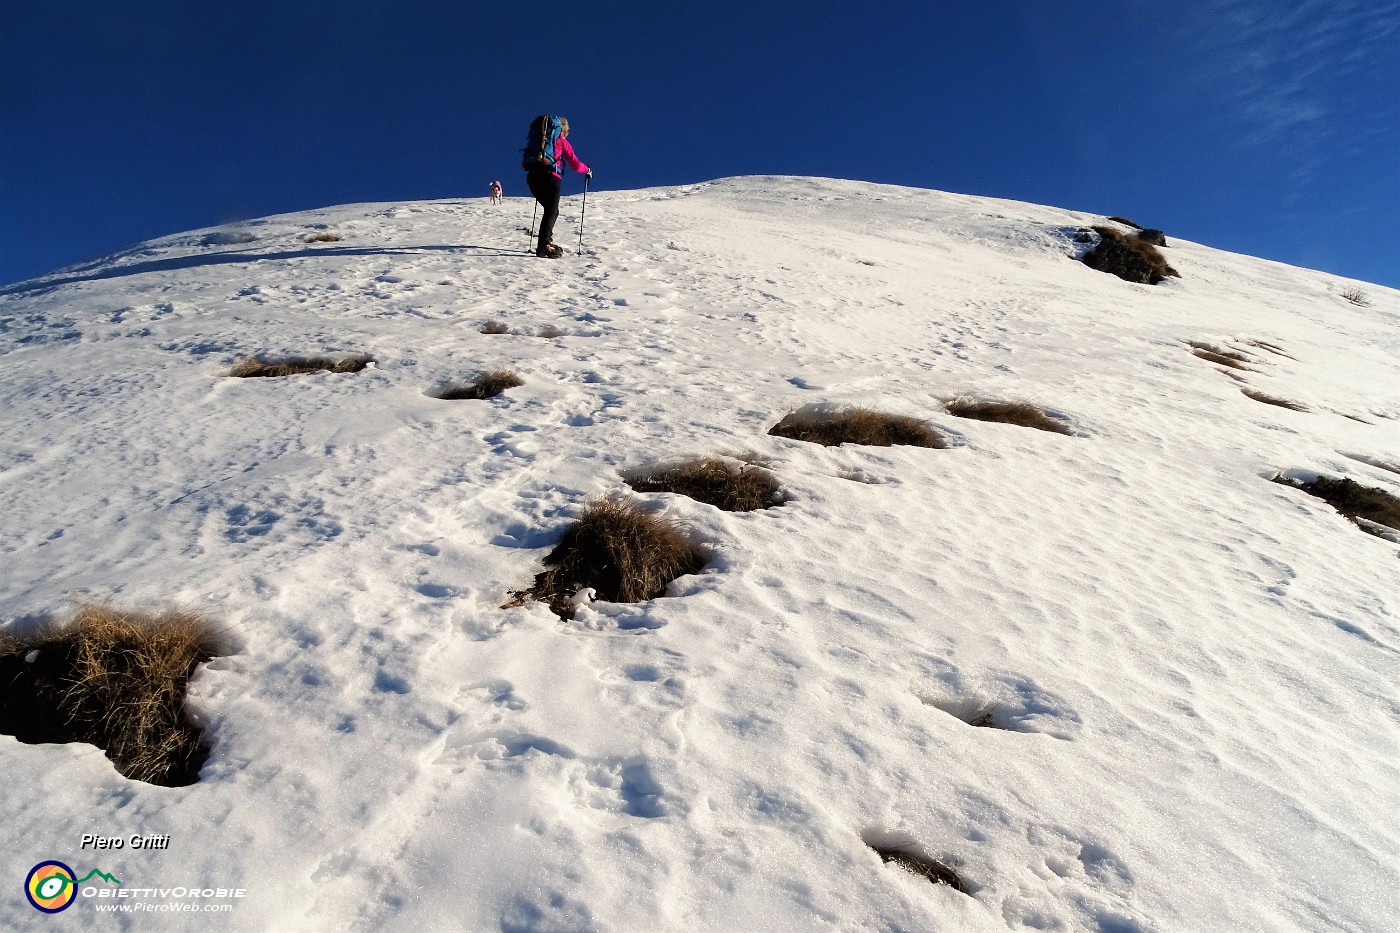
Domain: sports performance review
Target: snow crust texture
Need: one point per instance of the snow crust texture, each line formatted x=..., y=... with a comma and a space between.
x=1182, y=675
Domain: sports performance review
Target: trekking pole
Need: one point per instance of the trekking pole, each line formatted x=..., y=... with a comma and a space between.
x=532, y=225
x=581, y=214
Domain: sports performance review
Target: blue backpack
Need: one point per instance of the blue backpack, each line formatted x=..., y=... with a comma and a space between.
x=540, y=143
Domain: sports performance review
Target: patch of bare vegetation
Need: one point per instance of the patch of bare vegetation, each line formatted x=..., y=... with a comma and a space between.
x=1129, y=257
x=494, y=327
x=909, y=858
x=113, y=679
x=1356, y=296
x=1272, y=348
x=1365, y=506
x=727, y=485
x=625, y=555
x=974, y=711
x=1126, y=222
x=1221, y=357
x=857, y=426
x=1023, y=414
x=1274, y=400
x=258, y=367
x=487, y=385
x=549, y=331
x=320, y=238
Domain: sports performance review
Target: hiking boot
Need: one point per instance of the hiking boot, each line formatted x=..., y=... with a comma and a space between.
x=550, y=251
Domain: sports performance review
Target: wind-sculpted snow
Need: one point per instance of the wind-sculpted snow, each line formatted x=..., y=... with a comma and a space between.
x=1183, y=673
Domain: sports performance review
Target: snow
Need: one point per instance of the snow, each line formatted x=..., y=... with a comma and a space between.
x=1195, y=668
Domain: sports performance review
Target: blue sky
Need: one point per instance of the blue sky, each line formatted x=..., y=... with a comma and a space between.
x=1269, y=127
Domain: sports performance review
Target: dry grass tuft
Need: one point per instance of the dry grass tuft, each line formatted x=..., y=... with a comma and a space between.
x=1023, y=414
x=116, y=680
x=1230, y=358
x=320, y=238
x=717, y=482
x=918, y=863
x=253, y=367
x=974, y=711
x=1274, y=400
x=494, y=327
x=1356, y=296
x=487, y=385
x=549, y=331
x=1126, y=222
x=1360, y=504
x=624, y=554
x=1272, y=348
x=857, y=426
x=1128, y=257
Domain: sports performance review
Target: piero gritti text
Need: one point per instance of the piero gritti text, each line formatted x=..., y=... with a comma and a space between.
x=134, y=841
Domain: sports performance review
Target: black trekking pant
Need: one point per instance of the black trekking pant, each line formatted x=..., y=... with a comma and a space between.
x=546, y=187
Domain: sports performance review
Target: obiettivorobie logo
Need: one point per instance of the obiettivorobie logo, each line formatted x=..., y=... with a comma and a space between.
x=52, y=886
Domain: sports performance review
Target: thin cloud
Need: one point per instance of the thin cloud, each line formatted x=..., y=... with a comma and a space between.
x=1290, y=80
x=1280, y=69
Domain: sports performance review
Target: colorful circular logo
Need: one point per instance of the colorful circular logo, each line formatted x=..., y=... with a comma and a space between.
x=51, y=887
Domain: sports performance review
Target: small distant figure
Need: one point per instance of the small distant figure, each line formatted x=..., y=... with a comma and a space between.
x=495, y=192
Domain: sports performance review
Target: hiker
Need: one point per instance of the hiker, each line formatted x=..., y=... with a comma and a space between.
x=495, y=192
x=546, y=149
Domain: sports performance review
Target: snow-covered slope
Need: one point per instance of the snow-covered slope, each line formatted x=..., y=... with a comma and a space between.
x=1196, y=667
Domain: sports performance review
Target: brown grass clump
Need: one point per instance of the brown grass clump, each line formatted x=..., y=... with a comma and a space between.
x=1272, y=348
x=1363, y=505
x=487, y=385
x=717, y=482
x=1356, y=296
x=1230, y=358
x=857, y=426
x=253, y=367
x=1274, y=400
x=1128, y=257
x=320, y=238
x=1023, y=414
x=626, y=556
x=974, y=711
x=116, y=680
x=494, y=327
x=1126, y=222
x=918, y=863
x=549, y=331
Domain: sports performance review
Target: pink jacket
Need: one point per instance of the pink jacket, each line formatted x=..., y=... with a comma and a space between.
x=565, y=152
